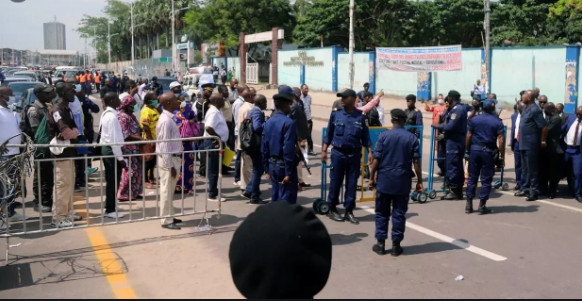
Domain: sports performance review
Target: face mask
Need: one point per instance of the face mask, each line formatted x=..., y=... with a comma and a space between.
x=441, y=101
x=136, y=108
x=155, y=102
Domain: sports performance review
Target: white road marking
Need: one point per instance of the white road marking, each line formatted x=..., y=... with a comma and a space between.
x=442, y=237
x=539, y=201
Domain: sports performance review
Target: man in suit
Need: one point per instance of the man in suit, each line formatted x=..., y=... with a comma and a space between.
x=560, y=111
x=571, y=131
x=551, y=156
x=515, y=120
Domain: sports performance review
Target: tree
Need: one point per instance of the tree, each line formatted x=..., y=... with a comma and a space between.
x=565, y=21
x=523, y=22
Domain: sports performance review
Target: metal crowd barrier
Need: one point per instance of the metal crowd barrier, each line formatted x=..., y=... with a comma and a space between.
x=374, y=134
x=91, y=204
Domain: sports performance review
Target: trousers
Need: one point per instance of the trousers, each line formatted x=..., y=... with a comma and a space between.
x=529, y=171
x=309, y=138
x=64, y=184
x=574, y=166
x=44, y=180
x=112, y=179
x=455, y=171
x=282, y=192
x=246, y=169
x=213, y=166
x=253, y=187
x=385, y=203
x=480, y=163
x=347, y=165
x=167, y=188
x=517, y=158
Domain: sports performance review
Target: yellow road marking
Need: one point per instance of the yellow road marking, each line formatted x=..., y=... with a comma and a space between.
x=110, y=265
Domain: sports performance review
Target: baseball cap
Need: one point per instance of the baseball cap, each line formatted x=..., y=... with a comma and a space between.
x=43, y=88
x=174, y=84
x=488, y=104
x=284, y=89
x=280, y=251
x=347, y=93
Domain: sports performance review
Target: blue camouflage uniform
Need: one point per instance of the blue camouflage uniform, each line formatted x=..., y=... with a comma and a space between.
x=532, y=121
x=485, y=129
x=455, y=129
x=395, y=151
x=278, y=151
x=347, y=132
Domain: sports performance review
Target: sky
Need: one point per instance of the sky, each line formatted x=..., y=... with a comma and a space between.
x=21, y=23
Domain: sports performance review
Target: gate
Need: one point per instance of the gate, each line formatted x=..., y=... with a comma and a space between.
x=252, y=73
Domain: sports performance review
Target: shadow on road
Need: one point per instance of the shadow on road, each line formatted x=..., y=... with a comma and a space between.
x=342, y=239
x=513, y=209
x=431, y=247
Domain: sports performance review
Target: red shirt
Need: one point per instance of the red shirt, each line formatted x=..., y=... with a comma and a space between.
x=437, y=111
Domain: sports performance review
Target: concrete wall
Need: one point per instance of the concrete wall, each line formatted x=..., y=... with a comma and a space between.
x=319, y=78
x=361, y=67
x=289, y=75
x=462, y=80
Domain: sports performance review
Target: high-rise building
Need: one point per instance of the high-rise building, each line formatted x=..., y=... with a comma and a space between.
x=54, y=36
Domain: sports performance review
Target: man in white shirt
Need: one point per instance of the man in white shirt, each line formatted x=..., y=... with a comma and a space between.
x=306, y=98
x=235, y=106
x=572, y=132
x=215, y=126
x=10, y=130
x=246, y=165
x=110, y=130
x=169, y=158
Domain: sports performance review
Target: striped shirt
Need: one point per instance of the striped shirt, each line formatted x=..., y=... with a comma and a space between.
x=167, y=129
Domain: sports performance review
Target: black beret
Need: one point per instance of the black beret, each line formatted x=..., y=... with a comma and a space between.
x=454, y=95
x=398, y=114
x=280, y=251
x=410, y=97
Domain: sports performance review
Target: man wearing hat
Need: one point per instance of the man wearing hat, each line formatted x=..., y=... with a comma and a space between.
x=278, y=149
x=485, y=134
x=347, y=132
x=176, y=88
x=395, y=152
x=455, y=129
x=43, y=171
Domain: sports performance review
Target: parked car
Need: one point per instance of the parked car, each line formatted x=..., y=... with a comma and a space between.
x=19, y=88
x=9, y=80
x=190, y=85
x=31, y=74
x=165, y=82
x=26, y=98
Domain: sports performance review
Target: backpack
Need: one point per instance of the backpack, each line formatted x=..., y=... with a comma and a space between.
x=374, y=118
x=249, y=140
x=42, y=137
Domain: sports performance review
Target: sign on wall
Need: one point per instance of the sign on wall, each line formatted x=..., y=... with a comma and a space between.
x=443, y=58
x=303, y=60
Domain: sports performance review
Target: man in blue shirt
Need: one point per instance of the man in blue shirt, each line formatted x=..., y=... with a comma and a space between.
x=572, y=132
x=532, y=136
x=258, y=118
x=455, y=129
x=278, y=151
x=395, y=152
x=483, y=132
x=347, y=131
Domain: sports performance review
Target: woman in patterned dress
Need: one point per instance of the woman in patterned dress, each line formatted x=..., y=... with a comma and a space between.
x=130, y=178
x=188, y=129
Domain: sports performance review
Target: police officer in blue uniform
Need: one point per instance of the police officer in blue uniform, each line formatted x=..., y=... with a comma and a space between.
x=278, y=150
x=455, y=130
x=395, y=152
x=347, y=131
x=483, y=132
x=532, y=136
x=572, y=132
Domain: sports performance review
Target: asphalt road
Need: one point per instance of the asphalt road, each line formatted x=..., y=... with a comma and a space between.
x=521, y=250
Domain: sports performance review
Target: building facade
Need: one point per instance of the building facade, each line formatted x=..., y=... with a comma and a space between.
x=54, y=36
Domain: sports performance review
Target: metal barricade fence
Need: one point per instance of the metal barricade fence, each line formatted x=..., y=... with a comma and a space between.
x=374, y=134
x=92, y=203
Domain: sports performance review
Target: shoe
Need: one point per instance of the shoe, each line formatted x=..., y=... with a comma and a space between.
x=64, y=224
x=77, y=188
x=17, y=204
x=171, y=227
x=579, y=199
x=469, y=206
x=77, y=217
x=440, y=173
x=452, y=195
x=114, y=214
x=531, y=198
x=258, y=202
x=396, y=249
x=17, y=217
x=42, y=208
x=517, y=187
x=379, y=248
x=177, y=221
x=333, y=214
x=520, y=193
x=246, y=195
x=216, y=199
x=482, y=208
x=303, y=184
x=349, y=216
x=236, y=183
x=92, y=170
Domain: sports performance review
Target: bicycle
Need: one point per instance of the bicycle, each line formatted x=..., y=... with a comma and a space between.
x=13, y=172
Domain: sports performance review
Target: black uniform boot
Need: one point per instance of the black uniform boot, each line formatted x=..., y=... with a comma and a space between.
x=396, y=249
x=469, y=206
x=453, y=194
x=482, y=208
x=333, y=214
x=379, y=247
x=351, y=218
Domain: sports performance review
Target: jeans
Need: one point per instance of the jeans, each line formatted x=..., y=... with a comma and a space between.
x=112, y=178
x=213, y=166
x=254, y=183
x=237, y=165
x=45, y=178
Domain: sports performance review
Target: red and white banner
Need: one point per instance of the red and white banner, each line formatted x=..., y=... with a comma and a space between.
x=442, y=58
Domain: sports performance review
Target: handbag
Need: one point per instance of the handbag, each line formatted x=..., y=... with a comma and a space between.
x=190, y=130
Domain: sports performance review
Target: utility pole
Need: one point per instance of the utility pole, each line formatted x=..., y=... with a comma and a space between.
x=108, y=43
x=351, y=50
x=173, y=38
x=487, y=46
x=132, y=47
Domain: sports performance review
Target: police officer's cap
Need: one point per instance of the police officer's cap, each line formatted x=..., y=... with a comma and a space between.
x=43, y=88
x=454, y=95
x=488, y=104
x=280, y=251
x=398, y=114
x=347, y=93
x=285, y=94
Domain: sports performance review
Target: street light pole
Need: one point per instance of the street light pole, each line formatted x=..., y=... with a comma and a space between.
x=173, y=38
x=108, y=43
x=132, y=47
x=351, y=50
x=487, y=46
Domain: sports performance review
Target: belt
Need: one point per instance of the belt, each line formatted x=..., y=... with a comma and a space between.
x=348, y=151
x=176, y=155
